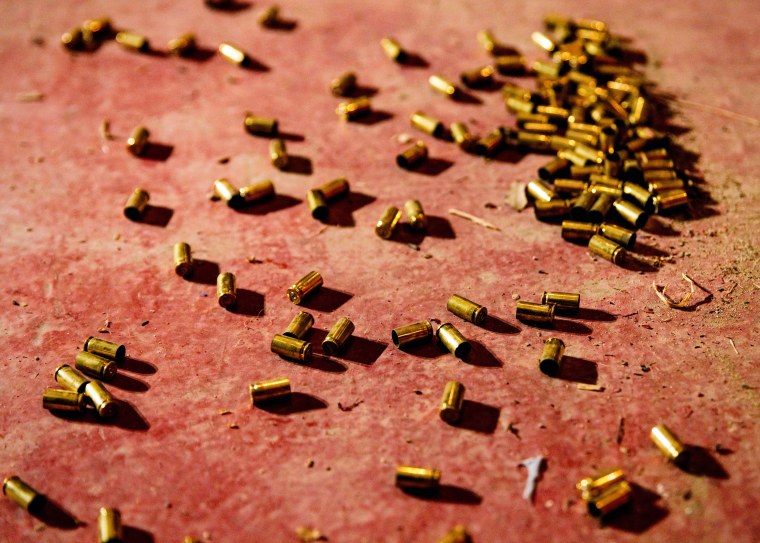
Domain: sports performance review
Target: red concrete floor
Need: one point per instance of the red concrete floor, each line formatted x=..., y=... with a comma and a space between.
x=175, y=466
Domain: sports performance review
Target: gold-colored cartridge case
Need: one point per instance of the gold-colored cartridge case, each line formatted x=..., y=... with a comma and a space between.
x=386, y=225
x=479, y=77
x=569, y=186
x=70, y=379
x=183, y=46
x=618, y=234
x=415, y=214
x=138, y=140
x=109, y=526
x=100, y=27
x=534, y=313
x=183, y=259
x=592, y=487
x=632, y=214
x=553, y=169
x=354, y=109
x=338, y=335
x=427, y=124
x=640, y=195
x=583, y=172
x=261, y=126
x=607, y=249
x=96, y=366
x=72, y=39
x=583, y=205
x=657, y=163
x=601, y=207
x=553, y=209
x=467, y=310
x=233, y=54
x=551, y=356
x=343, y=85
x=519, y=105
x=510, y=64
x=268, y=391
x=453, y=340
x=668, y=443
x=278, y=153
x=670, y=198
x=462, y=136
x=291, y=348
x=540, y=128
x=227, y=192
x=393, y=50
x=413, y=156
x=490, y=143
x=458, y=534
x=566, y=302
x=411, y=332
x=23, y=494
x=543, y=41
x=540, y=191
x=101, y=399
x=443, y=86
x=136, y=204
x=578, y=231
x=589, y=153
x=257, y=192
x=56, y=399
x=536, y=142
x=665, y=185
x=317, y=205
x=226, y=289
x=487, y=40
x=572, y=156
x=451, y=404
x=105, y=348
x=305, y=286
x=133, y=41
x=300, y=325
x=335, y=188
x=659, y=175
x=269, y=17
x=411, y=478
x=611, y=499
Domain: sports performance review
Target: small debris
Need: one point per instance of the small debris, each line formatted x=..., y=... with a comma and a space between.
x=514, y=430
x=310, y=463
x=403, y=138
x=223, y=160
x=224, y=412
x=516, y=198
x=589, y=388
x=20, y=304
x=233, y=425
x=731, y=341
x=515, y=296
x=203, y=294
x=350, y=407
x=308, y=535
x=144, y=323
x=645, y=368
x=418, y=392
x=254, y=260
x=105, y=130
x=116, y=236
x=489, y=205
x=39, y=41
x=413, y=246
x=427, y=256
x=621, y=430
x=670, y=302
x=30, y=96
x=534, y=466
x=473, y=218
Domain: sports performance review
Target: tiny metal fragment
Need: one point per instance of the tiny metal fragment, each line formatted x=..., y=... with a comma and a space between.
x=105, y=348
x=534, y=313
x=462, y=136
x=56, y=399
x=453, y=340
x=260, y=126
x=337, y=336
x=183, y=46
x=413, y=156
x=96, y=366
x=669, y=444
x=427, y=124
x=354, y=109
x=183, y=259
x=100, y=398
x=291, y=348
x=411, y=332
x=257, y=192
x=109, y=526
x=393, y=50
x=607, y=249
x=138, y=140
x=72, y=39
x=227, y=192
x=271, y=390
x=226, y=290
x=415, y=214
x=451, y=404
x=443, y=86
x=343, y=85
x=551, y=356
x=24, y=495
x=305, y=286
x=233, y=54
x=386, y=224
x=611, y=499
x=466, y=309
x=133, y=41
x=70, y=379
x=300, y=325
x=412, y=478
x=568, y=302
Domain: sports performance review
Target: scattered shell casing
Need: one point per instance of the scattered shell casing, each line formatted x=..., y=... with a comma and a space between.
x=101, y=27
x=233, y=54
x=658, y=175
x=317, y=205
x=183, y=259
x=453, y=340
x=519, y=105
x=664, y=185
x=72, y=39
x=260, y=126
x=270, y=17
x=607, y=249
x=490, y=143
x=337, y=336
x=132, y=40
x=136, y=204
x=443, y=86
x=183, y=46
x=427, y=124
x=553, y=169
x=487, y=40
x=509, y=90
x=100, y=398
x=271, y=390
x=105, y=348
x=24, y=495
x=458, y=534
x=393, y=50
x=669, y=199
x=591, y=487
x=578, y=231
x=291, y=348
x=451, y=404
x=386, y=225
x=70, y=379
x=547, y=69
x=640, y=195
x=534, y=313
x=553, y=209
x=96, y=366
x=540, y=128
x=540, y=191
x=510, y=64
x=413, y=156
x=411, y=478
x=257, y=192
x=56, y=399
x=227, y=192
x=583, y=172
x=300, y=325
x=599, y=189
x=536, y=142
x=479, y=77
x=567, y=302
x=569, y=186
x=411, y=332
x=553, y=112
x=466, y=309
x=657, y=164
x=618, y=234
x=551, y=356
x=543, y=41
x=601, y=208
x=335, y=188
x=668, y=443
x=278, y=153
x=462, y=136
x=354, y=109
x=109, y=526
x=528, y=118
x=572, y=156
x=589, y=153
x=611, y=499
x=226, y=289
x=305, y=286
x=138, y=140
x=415, y=214
x=583, y=205
x=343, y=85
x=633, y=214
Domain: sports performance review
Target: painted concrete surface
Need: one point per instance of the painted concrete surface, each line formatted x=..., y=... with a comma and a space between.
x=175, y=465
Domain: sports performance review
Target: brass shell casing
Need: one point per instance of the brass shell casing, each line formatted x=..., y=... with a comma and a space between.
x=427, y=124
x=659, y=175
x=479, y=77
x=278, y=153
x=601, y=207
x=640, y=195
x=411, y=478
x=540, y=191
x=411, y=332
x=317, y=205
x=592, y=487
x=226, y=289
x=487, y=40
x=101, y=399
x=578, y=231
x=56, y=399
x=136, y=204
x=572, y=156
x=233, y=54
x=109, y=526
x=257, y=192
x=415, y=214
x=94, y=365
x=466, y=309
x=453, y=340
x=393, y=50
x=583, y=205
x=618, y=234
x=72, y=39
x=458, y=534
x=583, y=172
x=300, y=325
x=510, y=64
x=443, y=86
x=105, y=348
x=291, y=348
x=354, y=109
x=518, y=104
x=551, y=356
x=133, y=41
x=228, y=192
x=451, y=404
x=335, y=188
x=569, y=186
x=306, y=285
x=260, y=126
x=668, y=443
x=540, y=128
x=554, y=209
x=413, y=156
x=338, y=335
x=657, y=164
x=343, y=85
x=268, y=391
x=387, y=223
x=138, y=141
x=490, y=143
x=462, y=136
x=24, y=495
x=183, y=259
x=535, y=313
x=553, y=169
x=183, y=46
x=670, y=198
x=535, y=142
x=633, y=214
x=607, y=249
x=664, y=186
x=568, y=302
x=611, y=499
x=543, y=41
x=70, y=379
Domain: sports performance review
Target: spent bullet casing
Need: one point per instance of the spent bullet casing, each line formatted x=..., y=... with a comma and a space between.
x=228, y=192
x=578, y=231
x=226, y=290
x=56, y=399
x=669, y=199
x=490, y=143
x=138, y=141
x=278, y=153
x=601, y=207
x=413, y=156
x=183, y=259
x=411, y=332
x=300, y=325
x=343, y=85
x=540, y=191
x=567, y=302
x=271, y=390
x=291, y=348
x=334, y=188
x=317, y=205
x=551, y=356
x=554, y=169
x=607, y=249
x=71, y=379
x=354, y=109
x=669, y=444
x=23, y=494
x=109, y=526
x=415, y=215
x=260, y=126
x=443, y=86
x=466, y=309
x=451, y=404
x=270, y=17
x=337, y=336
x=453, y=340
x=478, y=78
x=257, y=192
x=462, y=136
x=427, y=124
x=592, y=487
x=105, y=348
x=569, y=186
x=611, y=499
x=387, y=223
x=183, y=46
x=413, y=478
x=101, y=399
x=530, y=312
x=632, y=214
x=133, y=41
x=305, y=286
x=618, y=234
x=393, y=50
x=552, y=210
x=136, y=204
x=233, y=54
x=96, y=366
